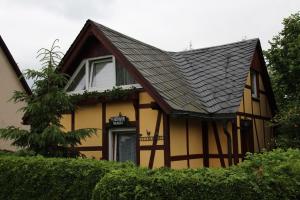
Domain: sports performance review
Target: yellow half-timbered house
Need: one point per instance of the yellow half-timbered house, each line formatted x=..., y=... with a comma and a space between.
x=198, y=108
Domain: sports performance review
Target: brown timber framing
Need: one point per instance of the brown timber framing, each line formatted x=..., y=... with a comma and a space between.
x=217, y=139
x=187, y=141
x=104, y=134
x=73, y=121
x=199, y=156
x=166, y=134
x=254, y=120
x=235, y=142
x=137, y=119
x=156, y=133
x=205, y=143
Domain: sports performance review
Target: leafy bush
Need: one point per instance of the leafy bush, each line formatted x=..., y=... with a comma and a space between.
x=273, y=175
x=51, y=178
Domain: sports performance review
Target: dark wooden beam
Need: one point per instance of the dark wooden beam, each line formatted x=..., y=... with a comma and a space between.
x=137, y=119
x=167, y=148
x=150, y=147
x=253, y=116
x=151, y=105
x=200, y=156
x=104, y=134
x=89, y=148
x=73, y=121
x=156, y=133
x=187, y=141
x=218, y=143
x=205, y=143
x=235, y=142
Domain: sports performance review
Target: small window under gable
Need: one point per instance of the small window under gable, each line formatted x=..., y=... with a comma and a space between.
x=99, y=74
x=254, y=83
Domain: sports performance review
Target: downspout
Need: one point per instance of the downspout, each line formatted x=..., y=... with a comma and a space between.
x=229, y=142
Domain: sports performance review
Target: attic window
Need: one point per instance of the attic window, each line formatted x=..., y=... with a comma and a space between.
x=99, y=74
x=254, y=83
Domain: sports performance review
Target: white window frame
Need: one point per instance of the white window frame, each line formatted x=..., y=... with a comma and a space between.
x=87, y=63
x=112, y=146
x=99, y=60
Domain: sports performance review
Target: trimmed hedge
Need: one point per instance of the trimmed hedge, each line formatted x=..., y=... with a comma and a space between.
x=51, y=178
x=272, y=175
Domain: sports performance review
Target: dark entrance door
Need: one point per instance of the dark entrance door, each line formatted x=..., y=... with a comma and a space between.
x=246, y=136
x=125, y=146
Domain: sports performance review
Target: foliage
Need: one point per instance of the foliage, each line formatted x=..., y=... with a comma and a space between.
x=51, y=178
x=43, y=111
x=116, y=93
x=272, y=175
x=284, y=65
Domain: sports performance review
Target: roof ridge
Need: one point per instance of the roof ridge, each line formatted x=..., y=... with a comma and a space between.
x=126, y=36
x=216, y=46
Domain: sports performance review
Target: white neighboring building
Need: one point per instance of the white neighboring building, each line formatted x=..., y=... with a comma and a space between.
x=10, y=80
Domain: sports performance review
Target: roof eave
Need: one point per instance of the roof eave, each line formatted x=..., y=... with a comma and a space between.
x=204, y=116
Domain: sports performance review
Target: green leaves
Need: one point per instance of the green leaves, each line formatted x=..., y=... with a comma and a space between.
x=44, y=109
x=36, y=177
x=271, y=175
x=284, y=65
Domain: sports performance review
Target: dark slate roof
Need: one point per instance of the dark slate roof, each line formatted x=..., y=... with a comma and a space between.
x=208, y=81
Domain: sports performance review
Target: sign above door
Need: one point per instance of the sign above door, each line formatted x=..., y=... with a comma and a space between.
x=119, y=120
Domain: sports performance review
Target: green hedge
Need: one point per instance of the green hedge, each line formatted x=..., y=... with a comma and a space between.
x=272, y=175
x=51, y=178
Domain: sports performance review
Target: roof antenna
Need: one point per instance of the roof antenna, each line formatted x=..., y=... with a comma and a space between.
x=190, y=45
x=244, y=38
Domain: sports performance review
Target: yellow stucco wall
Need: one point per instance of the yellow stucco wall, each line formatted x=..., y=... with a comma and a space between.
x=90, y=116
x=148, y=119
x=262, y=133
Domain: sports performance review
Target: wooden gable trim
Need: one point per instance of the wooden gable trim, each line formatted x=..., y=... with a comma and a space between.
x=265, y=76
x=14, y=65
x=91, y=29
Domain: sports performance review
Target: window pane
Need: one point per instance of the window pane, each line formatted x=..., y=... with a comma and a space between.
x=78, y=82
x=102, y=75
x=126, y=147
x=123, y=77
x=254, y=83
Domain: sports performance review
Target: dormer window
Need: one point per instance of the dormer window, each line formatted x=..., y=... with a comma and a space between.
x=99, y=74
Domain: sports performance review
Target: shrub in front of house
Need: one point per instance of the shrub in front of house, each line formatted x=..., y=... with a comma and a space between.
x=51, y=178
x=272, y=175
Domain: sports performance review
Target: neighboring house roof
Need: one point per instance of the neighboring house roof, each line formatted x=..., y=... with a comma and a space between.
x=14, y=66
x=207, y=82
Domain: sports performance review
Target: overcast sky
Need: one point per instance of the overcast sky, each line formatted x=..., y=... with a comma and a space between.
x=28, y=25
